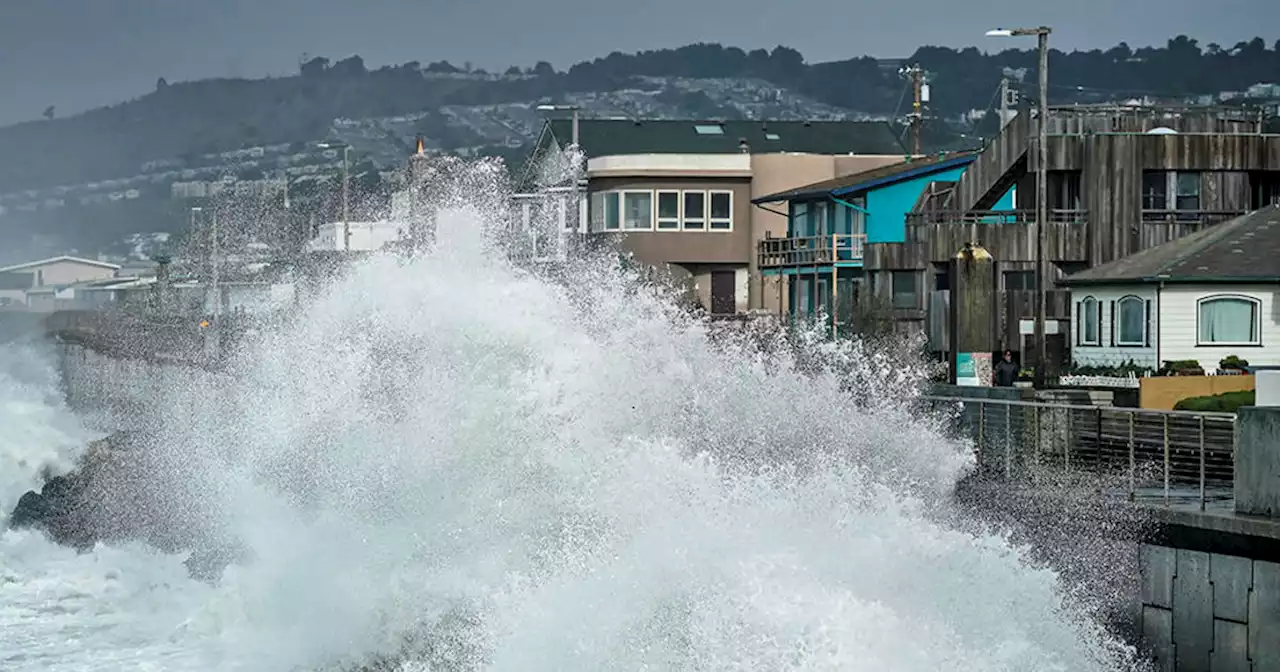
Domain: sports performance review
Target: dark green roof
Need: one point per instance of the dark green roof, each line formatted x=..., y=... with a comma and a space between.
x=609, y=137
x=1242, y=250
x=876, y=177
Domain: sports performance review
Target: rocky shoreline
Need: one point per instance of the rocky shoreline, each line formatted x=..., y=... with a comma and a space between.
x=107, y=499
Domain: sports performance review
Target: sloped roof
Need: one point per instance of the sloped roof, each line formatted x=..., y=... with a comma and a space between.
x=1242, y=250
x=611, y=137
x=876, y=177
x=54, y=260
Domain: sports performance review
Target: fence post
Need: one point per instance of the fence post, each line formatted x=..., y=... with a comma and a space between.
x=1166, y=458
x=1008, y=440
x=1098, y=445
x=1066, y=443
x=982, y=422
x=1202, y=463
x=1133, y=462
x=1036, y=418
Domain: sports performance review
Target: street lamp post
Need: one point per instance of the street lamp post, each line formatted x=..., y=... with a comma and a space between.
x=1042, y=197
x=346, y=212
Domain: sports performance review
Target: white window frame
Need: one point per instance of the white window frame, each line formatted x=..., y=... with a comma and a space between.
x=1089, y=305
x=1119, y=320
x=700, y=224
x=712, y=221
x=1257, y=319
x=604, y=218
x=622, y=213
x=668, y=223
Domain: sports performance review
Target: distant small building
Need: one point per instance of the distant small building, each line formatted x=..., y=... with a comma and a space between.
x=365, y=236
x=1204, y=297
x=17, y=281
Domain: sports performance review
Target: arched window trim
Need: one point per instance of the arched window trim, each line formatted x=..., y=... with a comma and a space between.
x=1257, y=319
x=1119, y=320
x=1089, y=303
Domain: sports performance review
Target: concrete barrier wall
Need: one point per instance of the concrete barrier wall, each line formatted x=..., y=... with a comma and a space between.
x=1210, y=612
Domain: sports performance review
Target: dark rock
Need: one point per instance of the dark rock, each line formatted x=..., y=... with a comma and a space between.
x=115, y=495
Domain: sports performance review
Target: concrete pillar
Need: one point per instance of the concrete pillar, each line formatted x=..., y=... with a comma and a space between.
x=1257, y=463
x=974, y=315
x=1267, y=385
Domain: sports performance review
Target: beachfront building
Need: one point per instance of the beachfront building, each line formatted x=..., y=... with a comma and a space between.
x=1120, y=179
x=818, y=266
x=1204, y=297
x=677, y=194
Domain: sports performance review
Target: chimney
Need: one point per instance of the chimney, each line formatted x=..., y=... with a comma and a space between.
x=743, y=146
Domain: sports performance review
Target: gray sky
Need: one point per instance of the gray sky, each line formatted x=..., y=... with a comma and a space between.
x=77, y=54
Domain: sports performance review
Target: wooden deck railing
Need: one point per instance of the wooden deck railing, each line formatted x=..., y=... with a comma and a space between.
x=1189, y=217
x=992, y=217
x=811, y=250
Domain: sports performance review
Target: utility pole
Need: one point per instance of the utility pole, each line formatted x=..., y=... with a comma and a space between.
x=1042, y=199
x=213, y=261
x=1004, y=101
x=919, y=96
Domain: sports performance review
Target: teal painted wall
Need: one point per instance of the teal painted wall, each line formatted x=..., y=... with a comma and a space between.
x=888, y=207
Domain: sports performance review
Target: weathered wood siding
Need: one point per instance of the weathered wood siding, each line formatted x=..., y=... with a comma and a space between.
x=987, y=178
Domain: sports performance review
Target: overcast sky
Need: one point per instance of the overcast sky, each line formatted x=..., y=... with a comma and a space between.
x=77, y=54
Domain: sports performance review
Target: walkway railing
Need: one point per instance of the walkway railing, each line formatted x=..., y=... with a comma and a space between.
x=810, y=250
x=1141, y=453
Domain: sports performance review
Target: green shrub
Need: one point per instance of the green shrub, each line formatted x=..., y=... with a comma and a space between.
x=1227, y=402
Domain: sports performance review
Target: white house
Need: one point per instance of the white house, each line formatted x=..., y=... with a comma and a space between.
x=16, y=281
x=1201, y=297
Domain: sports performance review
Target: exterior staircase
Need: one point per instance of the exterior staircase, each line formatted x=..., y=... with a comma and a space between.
x=997, y=168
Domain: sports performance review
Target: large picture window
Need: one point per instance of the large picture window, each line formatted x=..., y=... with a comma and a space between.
x=695, y=210
x=721, y=210
x=1087, y=314
x=668, y=210
x=1228, y=320
x=1131, y=321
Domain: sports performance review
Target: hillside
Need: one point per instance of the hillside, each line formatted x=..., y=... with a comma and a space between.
x=116, y=165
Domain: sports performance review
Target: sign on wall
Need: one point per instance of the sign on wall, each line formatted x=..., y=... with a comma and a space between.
x=973, y=369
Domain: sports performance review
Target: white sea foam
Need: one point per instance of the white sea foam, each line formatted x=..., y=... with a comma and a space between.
x=525, y=475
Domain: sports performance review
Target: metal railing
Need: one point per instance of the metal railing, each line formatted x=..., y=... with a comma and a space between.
x=993, y=217
x=1142, y=454
x=1197, y=217
x=811, y=250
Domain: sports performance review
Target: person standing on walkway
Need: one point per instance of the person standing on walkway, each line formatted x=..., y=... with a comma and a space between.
x=1006, y=372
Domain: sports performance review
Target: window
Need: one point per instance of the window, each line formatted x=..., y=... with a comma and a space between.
x=1155, y=190
x=818, y=226
x=612, y=211
x=1131, y=321
x=1188, y=191
x=905, y=289
x=1087, y=313
x=668, y=210
x=1015, y=281
x=798, y=219
x=708, y=129
x=637, y=210
x=1228, y=320
x=695, y=210
x=721, y=215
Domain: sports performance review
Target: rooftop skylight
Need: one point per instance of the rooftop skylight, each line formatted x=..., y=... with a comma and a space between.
x=708, y=129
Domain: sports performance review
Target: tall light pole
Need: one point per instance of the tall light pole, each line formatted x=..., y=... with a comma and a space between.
x=1042, y=194
x=575, y=109
x=346, y=212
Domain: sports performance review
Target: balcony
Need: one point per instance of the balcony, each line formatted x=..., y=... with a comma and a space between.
x=1005, y=233
x=951, y=217
x=826, y=250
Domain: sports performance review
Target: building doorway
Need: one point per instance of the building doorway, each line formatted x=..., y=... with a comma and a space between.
x=724, y=292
